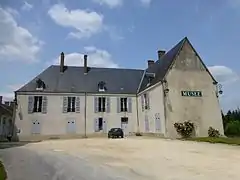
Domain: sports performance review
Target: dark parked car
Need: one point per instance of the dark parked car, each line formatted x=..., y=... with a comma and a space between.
x=115, y=133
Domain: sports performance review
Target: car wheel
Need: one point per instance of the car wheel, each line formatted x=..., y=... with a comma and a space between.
x=121, y=136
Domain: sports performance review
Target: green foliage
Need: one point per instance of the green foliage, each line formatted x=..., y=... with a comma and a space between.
x=233, y=128
x=185, y=129
x=231, y=123
x=213, y=132
x=3, y=174
x=224, y=140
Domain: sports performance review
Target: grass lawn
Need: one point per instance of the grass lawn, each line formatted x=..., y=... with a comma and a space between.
x=224, y=140
x=3, y=174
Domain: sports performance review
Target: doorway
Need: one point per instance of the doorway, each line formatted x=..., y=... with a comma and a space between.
x=124, y=125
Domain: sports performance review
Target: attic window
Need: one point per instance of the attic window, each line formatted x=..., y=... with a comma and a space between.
x=40, y=84
x=149, y=80
x=101, y=86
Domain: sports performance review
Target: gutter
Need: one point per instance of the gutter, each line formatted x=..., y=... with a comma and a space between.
x=85, y=116
x=164, y=109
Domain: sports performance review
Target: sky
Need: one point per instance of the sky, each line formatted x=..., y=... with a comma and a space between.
x=117, y=33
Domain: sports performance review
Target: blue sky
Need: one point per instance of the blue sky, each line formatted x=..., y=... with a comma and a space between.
x=117, y=33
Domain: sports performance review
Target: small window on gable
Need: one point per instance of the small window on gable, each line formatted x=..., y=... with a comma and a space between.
x=40, y=84
x=101, y=86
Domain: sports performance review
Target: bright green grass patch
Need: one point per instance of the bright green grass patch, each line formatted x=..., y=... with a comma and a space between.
x=224, y=140
x=3, y=174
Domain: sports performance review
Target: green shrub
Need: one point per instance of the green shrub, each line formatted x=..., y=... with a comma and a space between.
x=185, y=129
x=138, y=134
x=233, y=128
x=213, y=132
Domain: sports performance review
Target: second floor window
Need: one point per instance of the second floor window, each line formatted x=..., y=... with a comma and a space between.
x=123, y=102
x=71, y=104
x=146, y=101
x=37, y=106
x=101, y=104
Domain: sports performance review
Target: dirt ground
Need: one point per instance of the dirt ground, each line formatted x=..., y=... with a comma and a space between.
x=154, y=158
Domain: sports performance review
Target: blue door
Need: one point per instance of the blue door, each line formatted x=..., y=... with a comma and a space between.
x=71, y=126
x=36, y=127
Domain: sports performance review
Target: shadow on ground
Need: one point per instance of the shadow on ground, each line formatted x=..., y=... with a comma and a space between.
x=5, y=145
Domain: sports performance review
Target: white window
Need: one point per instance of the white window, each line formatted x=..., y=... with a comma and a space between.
x=37, y=106
x=71, y=104
x=101, y=104
x=146, y=101
x=123, y=104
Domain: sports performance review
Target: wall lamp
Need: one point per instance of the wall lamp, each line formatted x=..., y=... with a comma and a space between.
x=219, y=90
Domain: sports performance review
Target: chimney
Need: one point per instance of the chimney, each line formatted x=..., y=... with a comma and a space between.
x=85, y=64
x=62, y=62
x=7, y=103
x=160, y=54
x=150, y=63
x=1, y=99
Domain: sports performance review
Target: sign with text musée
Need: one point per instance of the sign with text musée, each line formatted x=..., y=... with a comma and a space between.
x=192, y=93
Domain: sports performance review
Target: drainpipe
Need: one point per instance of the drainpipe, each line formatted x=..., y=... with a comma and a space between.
x=85, y=116
x=138, y=130
x=164, y=109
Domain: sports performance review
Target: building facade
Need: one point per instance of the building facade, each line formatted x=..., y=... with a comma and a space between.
x=65, y=100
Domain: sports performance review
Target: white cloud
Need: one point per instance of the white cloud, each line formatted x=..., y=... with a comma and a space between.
x=26, y=6
x=9, y=94
x=223, y=74
x=146, y=3
x=85, y=22
x=230, y=82
x=96, y=58
x=16, y=42
x=109, y=3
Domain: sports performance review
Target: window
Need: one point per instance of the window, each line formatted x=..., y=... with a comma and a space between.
x=123, y=102
x=101, y=104
x=37, y=106
x=40, y=84
x=146, y=101
x=101, y=86
x=71, y=104
x=100, y=124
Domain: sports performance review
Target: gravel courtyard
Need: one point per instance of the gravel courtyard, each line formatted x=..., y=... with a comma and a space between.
x=152, y=158
x=131, y=158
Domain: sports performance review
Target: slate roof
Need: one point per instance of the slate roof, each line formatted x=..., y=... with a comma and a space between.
x=6, y=110
x=123, y=81
x=119, y=81
x=161, y=66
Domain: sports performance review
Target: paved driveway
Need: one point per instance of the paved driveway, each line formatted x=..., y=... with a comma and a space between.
x=133, y=159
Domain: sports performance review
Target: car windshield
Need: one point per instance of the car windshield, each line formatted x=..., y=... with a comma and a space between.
x=115, y=129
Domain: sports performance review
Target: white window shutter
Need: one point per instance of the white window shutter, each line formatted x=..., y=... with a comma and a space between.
x=146, y=124
x=44, y=104
x=77, y=104
x=95, y=104
x=118, y=104
x=148, y=102
x=65, y=104
x=95, y=123
x=129, y=104
x=108, y=104
x=142, y=102
x=30, y=104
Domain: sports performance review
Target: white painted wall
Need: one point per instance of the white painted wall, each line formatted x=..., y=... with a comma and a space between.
x=55, y=121
x=156, y=106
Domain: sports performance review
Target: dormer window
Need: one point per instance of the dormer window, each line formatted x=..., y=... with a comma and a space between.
x=150, y=77
x=101, y=86
x=40, y=85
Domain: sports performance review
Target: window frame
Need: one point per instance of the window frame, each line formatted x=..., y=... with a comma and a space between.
x=37, y=104
x=71, y=104
x=102, y=103
x=123, y=104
